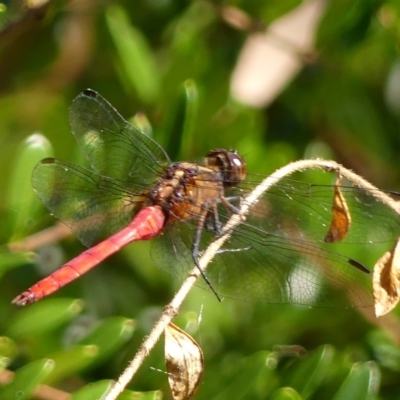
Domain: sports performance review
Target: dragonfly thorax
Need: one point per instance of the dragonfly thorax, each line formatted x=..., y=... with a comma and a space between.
x=184, y=190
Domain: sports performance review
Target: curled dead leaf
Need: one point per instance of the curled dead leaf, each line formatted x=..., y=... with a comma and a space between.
x=341, y=218
x=185, y=363
x=386, y=281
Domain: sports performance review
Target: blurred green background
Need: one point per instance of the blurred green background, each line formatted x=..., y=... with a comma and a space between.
x=168, y=66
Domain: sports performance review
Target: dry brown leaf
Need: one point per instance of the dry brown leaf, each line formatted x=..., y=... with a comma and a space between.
x=386, y=281
x=185, y=363
x=341, y=218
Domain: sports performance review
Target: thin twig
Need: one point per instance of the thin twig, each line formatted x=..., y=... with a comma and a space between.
x=172, y=309
x=51, y=235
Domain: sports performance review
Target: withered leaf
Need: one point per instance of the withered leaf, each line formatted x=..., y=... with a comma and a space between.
x=185, y=363
x=386, y=281
x=341, y=219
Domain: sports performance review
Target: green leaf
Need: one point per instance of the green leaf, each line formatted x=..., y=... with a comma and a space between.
x=93, y=390
x=311, y=370
x=96, y=390
x=109, y=336
x=20, y=197
x=362, y=383
x=44, y=316
x=26, y=379
x=8, y=348
x=181, y=121
x=134, y=54
x=385, y=350
x=11, y=260
x=71, y=361
x=259, y=369
x=286, y=393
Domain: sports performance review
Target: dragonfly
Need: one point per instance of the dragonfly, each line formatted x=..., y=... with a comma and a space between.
x=131, y=191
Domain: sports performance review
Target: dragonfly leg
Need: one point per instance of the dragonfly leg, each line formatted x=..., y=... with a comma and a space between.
x=234, y=210
x=195, y=249
x=227, y=202
x=216, y=228
x=212, y=222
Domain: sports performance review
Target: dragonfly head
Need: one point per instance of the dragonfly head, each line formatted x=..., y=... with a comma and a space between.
x=229, y=164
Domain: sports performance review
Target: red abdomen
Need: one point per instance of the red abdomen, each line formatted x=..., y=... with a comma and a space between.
x=148, y=223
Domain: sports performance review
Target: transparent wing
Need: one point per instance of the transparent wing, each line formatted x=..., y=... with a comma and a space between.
x=112, y=146
x=93, y=206
x=278, y=255
x=298, y=209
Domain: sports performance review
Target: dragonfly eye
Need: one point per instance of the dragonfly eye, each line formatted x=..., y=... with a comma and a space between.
x=229, y=163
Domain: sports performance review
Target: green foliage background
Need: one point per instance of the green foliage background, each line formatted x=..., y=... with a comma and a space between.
x=173, y=60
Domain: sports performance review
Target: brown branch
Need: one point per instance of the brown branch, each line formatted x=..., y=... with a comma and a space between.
x=54, y=234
